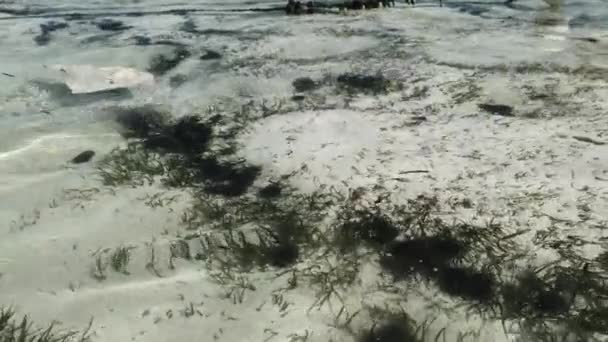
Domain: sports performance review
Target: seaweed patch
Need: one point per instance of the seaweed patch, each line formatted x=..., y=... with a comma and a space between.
x=46, y=29
x=111, y=25
x=161, y=64
x=180, y=149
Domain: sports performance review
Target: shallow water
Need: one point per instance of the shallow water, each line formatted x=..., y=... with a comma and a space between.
x=550, y=64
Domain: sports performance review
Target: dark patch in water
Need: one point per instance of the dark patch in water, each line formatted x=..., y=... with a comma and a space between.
x=141, y=122
x=99, y=38
x=531, y=296
x=466, y=283
x=588, y=39
x=161, y=64
x=189, y=26
x=142, y=40
x=111, y=25
x=270, y=191
x=284, y=254
x=588, y=21
x=42, y=39
x=496, y=109
x=375, y=84
x=369, y=226
x=390, y=331
x=46, y=29
x=177, y=80
x=228, y=178
x=52, y=26
x=184, y=142
x=210, y=54
x=422, y=255
x=595, y=319
x=83, y=157
x=303, y=84
x=470, y=8
x=186, y=136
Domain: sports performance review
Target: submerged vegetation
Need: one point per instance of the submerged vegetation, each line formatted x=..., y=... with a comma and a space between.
x=239, y=223
x=13, y=329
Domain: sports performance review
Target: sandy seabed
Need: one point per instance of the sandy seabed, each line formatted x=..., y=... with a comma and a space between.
x=539, y=170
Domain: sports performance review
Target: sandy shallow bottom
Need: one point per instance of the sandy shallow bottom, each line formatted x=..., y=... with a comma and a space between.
x=543, y=168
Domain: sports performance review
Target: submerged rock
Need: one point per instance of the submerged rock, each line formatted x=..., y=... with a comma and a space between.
x=83, y=157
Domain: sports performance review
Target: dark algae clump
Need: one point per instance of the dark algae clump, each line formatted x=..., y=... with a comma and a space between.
x=360, y=83
x=421, y=255
x=390, y=331
x=46, y=29
x=83, y=157
x=184, y=146
x=496, y=109
x=304, y=84
x=272, y=190
x=161, y=64
x=369, y=226
x=466, y=283
x=210, y=54
x=111, y=25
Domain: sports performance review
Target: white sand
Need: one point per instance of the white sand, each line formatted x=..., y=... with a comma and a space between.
x=527, y=172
